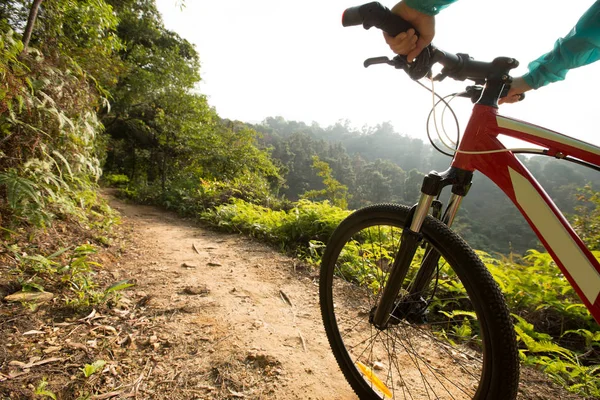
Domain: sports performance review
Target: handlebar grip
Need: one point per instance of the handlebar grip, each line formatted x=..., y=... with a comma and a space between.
x=377, y=15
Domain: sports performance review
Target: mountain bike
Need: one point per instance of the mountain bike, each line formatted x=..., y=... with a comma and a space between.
x=409, y=309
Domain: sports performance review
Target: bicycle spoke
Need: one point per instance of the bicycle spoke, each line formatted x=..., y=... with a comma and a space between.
x=432, y=344
x=410, y=349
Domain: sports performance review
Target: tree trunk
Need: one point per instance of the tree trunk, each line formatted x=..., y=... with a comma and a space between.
x=30, y=22
x=164, y=176
x=133, y=168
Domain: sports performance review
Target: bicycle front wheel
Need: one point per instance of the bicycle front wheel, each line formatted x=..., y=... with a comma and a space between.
x=453, y=339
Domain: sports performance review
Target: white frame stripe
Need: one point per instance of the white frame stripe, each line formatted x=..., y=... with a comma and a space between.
x=556, y=235
x=533, y=130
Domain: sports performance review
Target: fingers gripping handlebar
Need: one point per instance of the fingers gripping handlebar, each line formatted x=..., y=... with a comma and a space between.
x=376, y=15
x=456, y=66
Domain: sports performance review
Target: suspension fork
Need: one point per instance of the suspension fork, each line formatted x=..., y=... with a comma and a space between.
x=431, y=258
x=411, y=239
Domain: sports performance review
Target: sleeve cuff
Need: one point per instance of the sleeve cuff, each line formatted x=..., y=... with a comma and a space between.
x=424, y=6
x=531, y=81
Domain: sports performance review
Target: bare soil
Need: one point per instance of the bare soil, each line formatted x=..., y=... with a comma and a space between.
x=211, y=316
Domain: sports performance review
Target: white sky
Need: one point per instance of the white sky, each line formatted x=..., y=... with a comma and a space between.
x=294, y=59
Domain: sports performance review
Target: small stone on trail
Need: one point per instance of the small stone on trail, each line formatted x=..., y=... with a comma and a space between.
x=378, y=366
x=213, y=264
x=196, y=290
x=189, y=266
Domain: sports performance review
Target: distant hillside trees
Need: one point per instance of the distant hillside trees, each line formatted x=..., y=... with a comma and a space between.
x=377, y=164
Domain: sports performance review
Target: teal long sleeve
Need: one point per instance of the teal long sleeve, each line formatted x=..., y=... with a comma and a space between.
x=429, y=7
x=580, y=47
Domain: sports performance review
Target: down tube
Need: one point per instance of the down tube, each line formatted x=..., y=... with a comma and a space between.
x=568, y=251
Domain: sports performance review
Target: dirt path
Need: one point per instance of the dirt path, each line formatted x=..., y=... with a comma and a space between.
x=224, y=317
x=239, y=320
x=211, y=316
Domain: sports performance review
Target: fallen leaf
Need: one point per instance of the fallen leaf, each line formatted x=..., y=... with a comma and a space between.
x=33, y=332
x=16, y=363
x=90, y=316
x=236, y=394
x=29, y=296
x=78, y=346
x=107, y=395
x=105, y=328
x=38, y=363
x=51, y=349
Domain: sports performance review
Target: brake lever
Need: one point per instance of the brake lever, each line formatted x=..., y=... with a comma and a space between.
x=416, y=70
x=377, y=60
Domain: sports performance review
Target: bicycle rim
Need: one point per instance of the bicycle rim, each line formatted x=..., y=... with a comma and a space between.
x=443, y=343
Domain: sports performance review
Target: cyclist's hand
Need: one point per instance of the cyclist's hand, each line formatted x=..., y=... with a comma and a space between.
x=517, y=88
x=407, y=42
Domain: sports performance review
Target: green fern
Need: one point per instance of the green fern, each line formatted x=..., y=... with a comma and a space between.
x=19, y=190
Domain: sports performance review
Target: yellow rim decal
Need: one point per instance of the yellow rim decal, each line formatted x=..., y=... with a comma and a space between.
x=371, y=377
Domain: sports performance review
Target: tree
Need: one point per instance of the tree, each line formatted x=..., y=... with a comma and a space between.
x=412, y=185
x=587, y=218
x=161, y=69
x=30, y=23
x=334, y=191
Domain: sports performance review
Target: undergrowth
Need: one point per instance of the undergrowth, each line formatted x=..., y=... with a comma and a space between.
x=555, y=331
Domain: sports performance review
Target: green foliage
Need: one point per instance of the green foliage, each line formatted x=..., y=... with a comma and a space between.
x=334, y=191
x=41, y=390
x=85, y=31
x=164, y=136
x=115, y=180
x=586, y=220
x=292, y=229
x=21, y=193
x=378, y=164
x=49, y=139
x=90, y=369
x=71, y=269
x=118, y=286
x=536, y=287
x=569, y=368
x=154, y=113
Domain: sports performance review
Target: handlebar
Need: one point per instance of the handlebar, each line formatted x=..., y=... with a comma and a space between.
x=456, y=66
x=377, y=15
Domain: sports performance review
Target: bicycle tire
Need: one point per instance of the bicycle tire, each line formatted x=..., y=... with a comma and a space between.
x=484, y=368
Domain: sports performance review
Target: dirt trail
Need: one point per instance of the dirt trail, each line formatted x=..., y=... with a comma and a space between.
x=242, y=321
x=226, y=318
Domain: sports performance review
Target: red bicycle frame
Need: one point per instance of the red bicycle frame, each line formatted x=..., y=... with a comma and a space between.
x=481, y=150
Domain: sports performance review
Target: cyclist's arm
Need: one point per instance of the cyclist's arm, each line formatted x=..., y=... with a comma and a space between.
x=429, y=7
x=580, y=47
